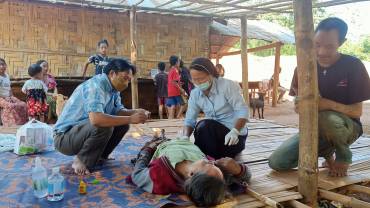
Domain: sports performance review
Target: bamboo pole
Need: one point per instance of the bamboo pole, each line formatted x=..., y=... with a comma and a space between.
x=251, y=50
x=244, y=56
x=345, y=200
x=358, y=189
x=266, y=200
x=297, y=204
x=276, y=76
x=134, y=87
x=308, y=103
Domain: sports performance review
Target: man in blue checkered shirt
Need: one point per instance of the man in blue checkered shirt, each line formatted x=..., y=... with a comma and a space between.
x=94, y=121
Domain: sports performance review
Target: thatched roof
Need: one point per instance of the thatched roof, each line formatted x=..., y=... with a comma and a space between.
x=206, y=8
x=256, y=29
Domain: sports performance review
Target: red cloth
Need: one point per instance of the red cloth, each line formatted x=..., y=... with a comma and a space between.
x=173, y=75
x=165, y=180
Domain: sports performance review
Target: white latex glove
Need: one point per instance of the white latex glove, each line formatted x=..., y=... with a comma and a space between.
x=232, y=137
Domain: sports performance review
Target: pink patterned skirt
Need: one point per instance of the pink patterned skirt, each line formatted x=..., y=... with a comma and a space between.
x=13, y=111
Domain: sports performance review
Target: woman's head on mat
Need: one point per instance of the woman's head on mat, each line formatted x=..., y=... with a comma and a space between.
x=205, y=185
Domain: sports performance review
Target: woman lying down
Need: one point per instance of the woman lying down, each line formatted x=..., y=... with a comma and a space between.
x=178, y=166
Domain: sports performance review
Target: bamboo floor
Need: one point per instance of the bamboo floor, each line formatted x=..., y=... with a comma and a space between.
x=279, y=188
x=263, y=138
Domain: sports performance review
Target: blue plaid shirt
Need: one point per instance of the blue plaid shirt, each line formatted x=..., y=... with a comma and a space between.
x=94, y=95
x=224, y=104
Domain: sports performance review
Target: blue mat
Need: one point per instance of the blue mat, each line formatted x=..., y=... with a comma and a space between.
x=111, y=191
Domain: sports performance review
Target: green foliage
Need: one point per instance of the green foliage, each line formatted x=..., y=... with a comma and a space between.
x=360, y=49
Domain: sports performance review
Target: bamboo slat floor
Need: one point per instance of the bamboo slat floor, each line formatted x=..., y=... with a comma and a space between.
x=263, y=138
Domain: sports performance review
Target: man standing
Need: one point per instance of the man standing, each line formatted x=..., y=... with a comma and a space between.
x=343, y=85
x=94, y=121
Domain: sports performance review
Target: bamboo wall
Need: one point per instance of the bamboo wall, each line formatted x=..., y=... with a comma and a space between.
x=66, y=35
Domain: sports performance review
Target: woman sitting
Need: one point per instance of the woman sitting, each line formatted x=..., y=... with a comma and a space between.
x=13, y=111
x=223, y=131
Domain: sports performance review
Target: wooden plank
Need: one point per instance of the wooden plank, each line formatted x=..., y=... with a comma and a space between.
x=358, y=172
x=345, y=200
x=252, y=50
x=308, y=108
x=133, y=38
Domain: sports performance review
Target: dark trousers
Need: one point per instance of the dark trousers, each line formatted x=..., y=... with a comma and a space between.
x=90, y=143
x=210, y=138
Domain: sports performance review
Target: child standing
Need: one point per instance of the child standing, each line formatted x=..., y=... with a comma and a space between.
x=99, y=60
x=36, y=90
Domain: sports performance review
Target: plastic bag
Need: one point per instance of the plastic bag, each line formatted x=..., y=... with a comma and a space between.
x=34, y=137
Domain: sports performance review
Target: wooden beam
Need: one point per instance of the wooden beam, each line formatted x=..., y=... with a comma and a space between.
x=252, y=50
x=276, y=76
x=205, y=7
x=165, y=3
x=308, y=102
x=236, y=6
x=345, y=200
x=263, y=198
x=133, y=36
x=358, y=189
x=296, y=204
x=244, y=56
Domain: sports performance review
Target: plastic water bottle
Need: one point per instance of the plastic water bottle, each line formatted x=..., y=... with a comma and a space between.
x=55, y=185
x=39, y=179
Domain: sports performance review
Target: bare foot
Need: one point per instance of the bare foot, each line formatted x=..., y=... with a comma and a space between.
x=79, y=167
x=338, y=169
x=328, y=162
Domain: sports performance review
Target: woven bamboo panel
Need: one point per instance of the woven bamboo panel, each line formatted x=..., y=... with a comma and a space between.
x=66, y=35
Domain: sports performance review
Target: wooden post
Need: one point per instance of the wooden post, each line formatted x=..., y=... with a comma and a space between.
x=308, y=102
x=244, y=56
x=134, y=87
x=276, y=75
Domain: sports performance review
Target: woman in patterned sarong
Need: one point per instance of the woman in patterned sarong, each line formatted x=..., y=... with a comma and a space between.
x=13, y=110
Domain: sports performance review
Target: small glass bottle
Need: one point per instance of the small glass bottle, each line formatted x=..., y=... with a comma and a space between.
x=39, y=179
x=56, y=185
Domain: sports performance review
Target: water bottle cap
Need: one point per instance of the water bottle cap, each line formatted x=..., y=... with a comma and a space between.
x=55, y=169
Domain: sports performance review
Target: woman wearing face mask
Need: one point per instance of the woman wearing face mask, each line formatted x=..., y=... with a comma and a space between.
x=223, y=132
x=99, y=60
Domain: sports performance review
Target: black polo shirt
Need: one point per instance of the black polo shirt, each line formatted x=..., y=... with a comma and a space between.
x=346, y=81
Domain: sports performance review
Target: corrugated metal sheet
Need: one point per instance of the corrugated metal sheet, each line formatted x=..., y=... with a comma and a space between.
x=257, y=29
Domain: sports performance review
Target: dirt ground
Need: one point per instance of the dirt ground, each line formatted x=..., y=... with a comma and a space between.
x=284, y=114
